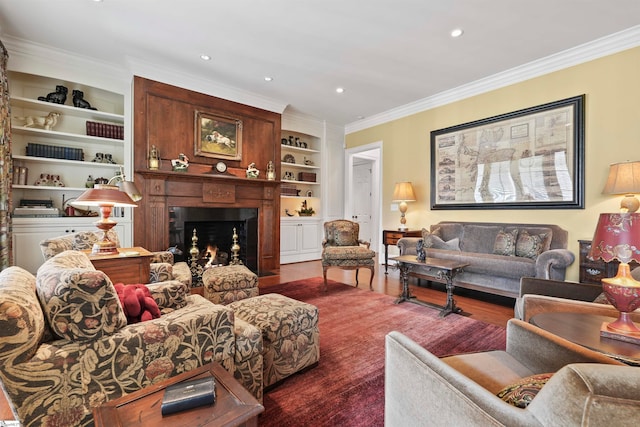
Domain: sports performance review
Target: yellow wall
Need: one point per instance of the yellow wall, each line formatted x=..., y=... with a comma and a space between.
x=612, y=134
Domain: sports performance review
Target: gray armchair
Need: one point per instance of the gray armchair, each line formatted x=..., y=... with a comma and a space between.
x=587, y=388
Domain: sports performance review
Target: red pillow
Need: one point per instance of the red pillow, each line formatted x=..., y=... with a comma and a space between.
x=137, y=303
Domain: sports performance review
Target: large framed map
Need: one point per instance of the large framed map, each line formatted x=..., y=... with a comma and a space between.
x=527, y=159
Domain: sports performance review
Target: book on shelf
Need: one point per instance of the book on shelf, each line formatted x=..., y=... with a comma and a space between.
x=189, y=394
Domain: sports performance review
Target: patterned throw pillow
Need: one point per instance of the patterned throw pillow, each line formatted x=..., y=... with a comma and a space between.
x=436, y=242
x=505, y=243
x=521, y=393
x=530, y=245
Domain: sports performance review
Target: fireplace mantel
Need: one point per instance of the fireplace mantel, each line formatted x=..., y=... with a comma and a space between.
x=162, y=189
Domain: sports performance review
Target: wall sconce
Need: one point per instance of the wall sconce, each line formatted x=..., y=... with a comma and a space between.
x=403, y=193
x=154, y=158
x=624, y=178
x=105, y=197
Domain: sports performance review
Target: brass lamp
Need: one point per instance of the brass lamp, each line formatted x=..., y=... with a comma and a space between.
x=128, y=187
x=617, y=236
x=104, y=196
x=624, y=178
x=403, y=193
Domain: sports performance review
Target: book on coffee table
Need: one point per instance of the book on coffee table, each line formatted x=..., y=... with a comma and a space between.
x=189, y=394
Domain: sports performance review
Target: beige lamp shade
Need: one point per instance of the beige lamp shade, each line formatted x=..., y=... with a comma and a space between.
x=403, y=192
x=624, y=178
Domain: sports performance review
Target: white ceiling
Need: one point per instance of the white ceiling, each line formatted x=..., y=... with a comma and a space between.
x=385, y=53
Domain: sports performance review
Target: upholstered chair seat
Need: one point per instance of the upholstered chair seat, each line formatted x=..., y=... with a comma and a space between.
x=342, y=248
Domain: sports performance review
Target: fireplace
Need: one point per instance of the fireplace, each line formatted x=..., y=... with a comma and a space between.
x=214, y=229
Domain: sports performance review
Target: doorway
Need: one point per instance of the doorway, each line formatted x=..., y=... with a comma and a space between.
x=363, y=192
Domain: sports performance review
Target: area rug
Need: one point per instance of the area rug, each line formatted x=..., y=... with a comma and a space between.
x=346, y=388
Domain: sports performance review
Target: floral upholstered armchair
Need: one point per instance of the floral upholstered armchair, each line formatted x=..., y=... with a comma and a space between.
x=162, y=264
x=343, y=249
x=66, y=347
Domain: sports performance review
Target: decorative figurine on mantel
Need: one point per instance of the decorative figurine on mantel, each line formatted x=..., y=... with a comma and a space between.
x=181, y=164
x=271, y=171
x=252, y=171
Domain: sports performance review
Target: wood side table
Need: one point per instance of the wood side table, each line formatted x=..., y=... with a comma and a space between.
x=584, y=329
x=123, y=268
x=234, y=406
x=391, y=237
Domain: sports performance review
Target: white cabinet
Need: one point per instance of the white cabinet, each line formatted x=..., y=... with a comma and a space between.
x=300, y=239
x=29, y=232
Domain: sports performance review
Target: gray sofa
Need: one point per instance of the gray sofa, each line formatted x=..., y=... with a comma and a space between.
x=534, y=250
x=586, y=389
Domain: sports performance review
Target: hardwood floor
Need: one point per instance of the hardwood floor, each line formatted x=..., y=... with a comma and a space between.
x=476, y=305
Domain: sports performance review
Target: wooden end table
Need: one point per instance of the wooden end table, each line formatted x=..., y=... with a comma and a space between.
x=444, y=271
x=123, y=268
x=391, y=237
x=584, y=329
x=234, y=406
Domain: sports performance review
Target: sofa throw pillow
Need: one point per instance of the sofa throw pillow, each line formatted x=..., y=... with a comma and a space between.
x=436, y=242
x=521, y=393
x=530, y=245
x=505, y=243
x=79, y=302
x=435, y=232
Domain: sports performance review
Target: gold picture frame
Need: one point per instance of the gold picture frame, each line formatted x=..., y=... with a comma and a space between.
x=218, y=136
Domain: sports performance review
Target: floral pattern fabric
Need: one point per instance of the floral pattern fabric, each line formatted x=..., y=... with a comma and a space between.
x=290, y=333
x=58, y=382
x=224, y=285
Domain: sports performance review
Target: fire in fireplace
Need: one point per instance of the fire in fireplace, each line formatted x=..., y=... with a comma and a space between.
x=214, y=230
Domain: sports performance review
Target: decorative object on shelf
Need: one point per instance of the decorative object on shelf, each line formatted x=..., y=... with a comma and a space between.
x=105, y=130
x=286, y=211
x=252, y=171
x=288, y=190
x=271, y=171
x=288, y=158
x=128, y=187
x=307, y=176
x=181, y=164
x=108, y=158
x=309, y=193
x=308, y=162
x=218, y=136
x=297, y=142
x=57, y=97
x=90, y=182
x=403, y=193
x=288, y=175
x=100, y=180
x=106, y=197
x=48, y=180
x=79, y=101
x=20, y=175
x=290, y=141
x=305, y=210
x=617, y=236
x=99, y=158
x=284, y=141
x=47, y=122
x=303, y=144
x=154, y=158
x=624, y=178
x=54, y=152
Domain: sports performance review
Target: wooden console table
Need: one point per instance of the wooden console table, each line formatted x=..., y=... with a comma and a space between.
x=123, y=268
x=391, y=237
x=234, y=405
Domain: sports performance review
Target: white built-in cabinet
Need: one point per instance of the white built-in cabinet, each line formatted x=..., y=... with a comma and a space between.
x=300, y=239
x=69, y=135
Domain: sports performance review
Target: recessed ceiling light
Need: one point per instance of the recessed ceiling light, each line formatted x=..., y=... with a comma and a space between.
x=340, y=90
x=268, y=79
x=205, y=57
x=457, y=32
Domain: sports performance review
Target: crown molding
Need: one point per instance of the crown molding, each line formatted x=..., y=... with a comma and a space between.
x=604, y=46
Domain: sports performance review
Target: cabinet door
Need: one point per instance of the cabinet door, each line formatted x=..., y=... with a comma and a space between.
x=26, y=242
x=288, y=239
x=309, y=238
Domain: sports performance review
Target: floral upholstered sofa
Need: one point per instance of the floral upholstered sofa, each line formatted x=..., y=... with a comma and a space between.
x=66, y=347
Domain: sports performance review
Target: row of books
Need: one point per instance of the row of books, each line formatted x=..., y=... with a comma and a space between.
x=105, y=130
x=54, y=152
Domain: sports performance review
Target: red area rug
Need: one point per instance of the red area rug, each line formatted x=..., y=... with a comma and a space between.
x=346, y=388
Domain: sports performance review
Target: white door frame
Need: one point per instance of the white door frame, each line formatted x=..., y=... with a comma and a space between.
x=371, y=152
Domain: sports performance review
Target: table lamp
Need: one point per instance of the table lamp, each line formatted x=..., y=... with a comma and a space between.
x=128, y=187
x=403, y=193
x=624, y=178
x=104, y=196
x=617, y=237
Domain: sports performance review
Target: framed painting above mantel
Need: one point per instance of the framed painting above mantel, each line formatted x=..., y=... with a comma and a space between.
x=218, y=136
x=527, y=159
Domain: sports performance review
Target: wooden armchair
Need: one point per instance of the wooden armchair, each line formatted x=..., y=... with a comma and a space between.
x=343, y=249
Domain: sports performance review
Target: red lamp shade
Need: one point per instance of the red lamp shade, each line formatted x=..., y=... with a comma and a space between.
x=617, y=237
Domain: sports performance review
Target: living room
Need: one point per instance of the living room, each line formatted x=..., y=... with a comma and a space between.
x=604, y=71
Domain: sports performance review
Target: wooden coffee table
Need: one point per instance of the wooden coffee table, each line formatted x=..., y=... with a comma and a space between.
x=444, y=271
x=234, y=406
x=584, y=329
x=124, y=267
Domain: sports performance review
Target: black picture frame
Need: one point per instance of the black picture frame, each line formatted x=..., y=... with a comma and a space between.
x=527, y=159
